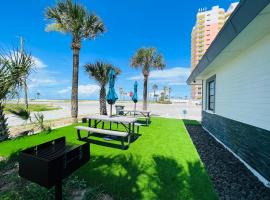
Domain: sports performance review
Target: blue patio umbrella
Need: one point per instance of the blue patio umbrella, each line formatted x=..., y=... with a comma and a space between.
x=135, y=95
x=111, y=96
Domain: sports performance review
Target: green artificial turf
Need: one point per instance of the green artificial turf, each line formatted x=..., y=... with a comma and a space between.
x=161, y=164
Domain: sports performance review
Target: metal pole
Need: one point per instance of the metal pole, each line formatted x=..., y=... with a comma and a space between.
x=58, y=190
x=111, y=110
x=24, y=78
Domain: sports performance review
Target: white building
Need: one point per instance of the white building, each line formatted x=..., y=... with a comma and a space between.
x=235, y=77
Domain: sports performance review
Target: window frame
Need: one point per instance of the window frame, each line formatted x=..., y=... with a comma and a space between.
x=212, y=79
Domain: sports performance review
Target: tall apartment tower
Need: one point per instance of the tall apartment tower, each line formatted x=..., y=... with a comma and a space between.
x=208, y=24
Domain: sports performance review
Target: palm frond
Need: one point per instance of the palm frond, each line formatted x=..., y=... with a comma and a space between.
x=159, y=62
x=15, y=66
x=93, y=26
x=55, y=27
x=100, y=71
x=21, y=113
x=71, y=17
x=147, y=58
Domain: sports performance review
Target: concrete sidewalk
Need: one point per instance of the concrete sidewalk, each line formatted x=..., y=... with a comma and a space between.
x=174, y=110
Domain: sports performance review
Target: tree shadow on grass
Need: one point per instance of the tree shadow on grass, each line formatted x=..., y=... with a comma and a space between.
x=175, y=182
x=117, y=175
x=130, y=177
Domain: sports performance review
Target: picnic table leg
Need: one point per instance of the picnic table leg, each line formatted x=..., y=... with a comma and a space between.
x=102, y=125
x=89, y=125
x=133, y=130
x=110, y=125
x=95, y=123
x=122, y=142
x=128, y=141
x=129, y=130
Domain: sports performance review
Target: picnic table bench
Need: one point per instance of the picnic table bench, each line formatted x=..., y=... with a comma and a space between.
x=127, y=122
x=121, y=134
x=141, y=113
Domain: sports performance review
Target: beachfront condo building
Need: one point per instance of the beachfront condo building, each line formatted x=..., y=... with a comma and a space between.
x=208, y=24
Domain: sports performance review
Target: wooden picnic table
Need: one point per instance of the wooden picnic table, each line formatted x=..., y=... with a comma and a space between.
x=127, y=122
x=146, y=114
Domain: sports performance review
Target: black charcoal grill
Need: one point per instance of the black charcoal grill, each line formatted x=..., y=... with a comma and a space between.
x=49, y=163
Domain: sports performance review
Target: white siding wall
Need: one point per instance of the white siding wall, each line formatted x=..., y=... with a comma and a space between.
x=243, y=86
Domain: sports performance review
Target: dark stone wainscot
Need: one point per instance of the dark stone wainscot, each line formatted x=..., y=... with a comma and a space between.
x=230, y=177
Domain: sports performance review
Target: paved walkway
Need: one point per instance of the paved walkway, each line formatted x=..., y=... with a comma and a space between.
x=174, y=110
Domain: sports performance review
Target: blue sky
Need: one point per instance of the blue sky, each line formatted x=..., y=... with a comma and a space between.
x=130, y=24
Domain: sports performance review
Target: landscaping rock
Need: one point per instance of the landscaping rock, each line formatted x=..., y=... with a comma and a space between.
x=230, y=177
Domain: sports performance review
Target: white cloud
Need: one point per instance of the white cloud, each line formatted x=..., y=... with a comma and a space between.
x=40, y=78
x=84, y=90
x=64, y=91
x=39, y=64
x=173, y=76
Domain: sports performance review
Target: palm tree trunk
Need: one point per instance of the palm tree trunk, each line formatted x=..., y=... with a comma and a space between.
x=24, y=78
x=102, y=100
x=74, y=92
x=145, y=92
x=3, y=124
x=25, y=93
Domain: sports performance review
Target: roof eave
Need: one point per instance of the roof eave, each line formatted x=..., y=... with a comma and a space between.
x=244, y=13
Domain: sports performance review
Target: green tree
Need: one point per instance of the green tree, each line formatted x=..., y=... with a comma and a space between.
x=155, y=87
x=14, y=67
x=147, y=59
x=121, y=91
x=100, y=72
x=165, y=89
x=170, y=91
x=73, y=18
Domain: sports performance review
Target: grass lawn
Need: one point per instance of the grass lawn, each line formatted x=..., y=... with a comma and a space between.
x=32, y=107
x=161, y=164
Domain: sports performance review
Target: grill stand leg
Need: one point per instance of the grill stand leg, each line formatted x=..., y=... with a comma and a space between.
x=58, y=191
x=79, y=135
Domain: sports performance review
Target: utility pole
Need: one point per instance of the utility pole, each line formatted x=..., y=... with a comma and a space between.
x=24, y=79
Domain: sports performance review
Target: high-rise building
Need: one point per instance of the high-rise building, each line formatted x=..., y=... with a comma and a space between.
x=208, y=24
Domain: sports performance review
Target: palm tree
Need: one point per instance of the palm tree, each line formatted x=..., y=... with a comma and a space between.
x=25, y=78
x=147, y=59
x=100, y=72
x=155, y=87
x=14, y=67
x=170, y=90
x=73, y=18
x=38, y=94
x=121, y=91
x=165, y=89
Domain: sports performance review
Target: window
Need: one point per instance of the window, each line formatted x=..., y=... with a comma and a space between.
x=211, y=93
